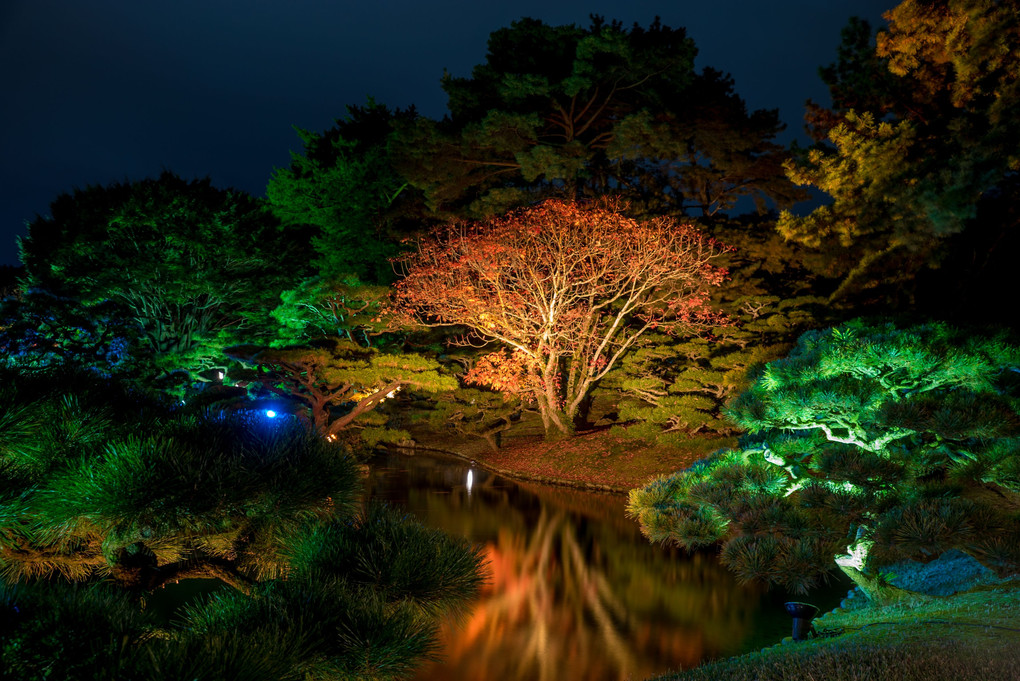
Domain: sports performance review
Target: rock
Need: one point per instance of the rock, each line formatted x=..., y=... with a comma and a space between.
x=952, y=572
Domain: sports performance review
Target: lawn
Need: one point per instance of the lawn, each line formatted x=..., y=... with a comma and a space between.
x=972, y=636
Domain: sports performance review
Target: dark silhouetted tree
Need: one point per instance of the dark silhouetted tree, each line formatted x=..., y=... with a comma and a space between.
x=580, y=112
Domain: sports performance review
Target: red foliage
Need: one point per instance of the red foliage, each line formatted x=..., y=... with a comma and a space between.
x=507, y=372
x=567, y=286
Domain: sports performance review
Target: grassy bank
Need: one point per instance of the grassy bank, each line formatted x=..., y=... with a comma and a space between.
x=974, y=636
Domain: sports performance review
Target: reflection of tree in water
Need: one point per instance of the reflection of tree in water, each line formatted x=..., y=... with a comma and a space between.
x=574, y=591
x=547, y=603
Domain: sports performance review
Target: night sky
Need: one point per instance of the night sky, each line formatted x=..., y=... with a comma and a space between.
x=98, y=91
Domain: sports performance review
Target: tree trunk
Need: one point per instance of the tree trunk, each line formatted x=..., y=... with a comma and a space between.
x=140, y=573
x=493, y=435
x=880, y=592
x=580, y=415
x=557, y=424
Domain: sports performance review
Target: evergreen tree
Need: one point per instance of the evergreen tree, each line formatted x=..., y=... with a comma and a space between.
x=868, y=443
x=346, y=189
x=338, y=384
x=99, y=487
x=673, y=389
x=578, y=112
x=921, y=156
x=194, y=268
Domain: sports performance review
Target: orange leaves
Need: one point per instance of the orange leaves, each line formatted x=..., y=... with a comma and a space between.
x=539, y=256
x=507, y=372
x=577, y=282
x=517, y=276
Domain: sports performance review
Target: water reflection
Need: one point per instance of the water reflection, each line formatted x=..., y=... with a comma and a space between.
x=575, y=591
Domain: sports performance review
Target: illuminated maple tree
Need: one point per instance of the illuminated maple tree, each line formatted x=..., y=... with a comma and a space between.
x=568, y=287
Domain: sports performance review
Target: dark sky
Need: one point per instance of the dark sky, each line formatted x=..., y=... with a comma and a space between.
x=97, y=91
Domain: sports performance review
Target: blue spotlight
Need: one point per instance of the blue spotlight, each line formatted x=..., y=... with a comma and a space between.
x=270, y=414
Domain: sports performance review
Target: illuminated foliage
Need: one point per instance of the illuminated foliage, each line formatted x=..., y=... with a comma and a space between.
x=871, y=441
x=924, y=140
x=41, y=332
x=338, y=356
x=345, y=187
x=567, y=288
x=965, y=49
x=193, y=267
x=585, y=112
x=87, y=493
x=673, y=387
x=339, y=308
x=477, y=413
x=340, y=383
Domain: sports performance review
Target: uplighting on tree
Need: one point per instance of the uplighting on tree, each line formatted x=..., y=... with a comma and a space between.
x=567, y=288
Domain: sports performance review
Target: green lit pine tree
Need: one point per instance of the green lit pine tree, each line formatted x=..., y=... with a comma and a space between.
x=191, y=268
x=338, y=357
x=867, y=444
x=338, y=385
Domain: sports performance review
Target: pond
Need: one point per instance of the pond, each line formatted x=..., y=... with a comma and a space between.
x=574, y=590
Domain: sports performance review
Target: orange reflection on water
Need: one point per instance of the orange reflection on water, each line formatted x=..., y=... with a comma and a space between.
x=574, y=591
x=549, y=613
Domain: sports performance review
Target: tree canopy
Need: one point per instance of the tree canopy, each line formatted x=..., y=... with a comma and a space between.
x=869, y=443
x=566, y=287
x=345, y=187
x=582, y=112
x=194, y=267
x=923, y=142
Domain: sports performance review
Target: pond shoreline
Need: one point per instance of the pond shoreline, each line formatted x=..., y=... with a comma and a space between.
x=968, y=636
x=600, y=460
x=513, y=474
x=981, y=646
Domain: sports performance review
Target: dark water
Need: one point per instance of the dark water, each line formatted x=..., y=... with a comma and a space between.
x=575, y=592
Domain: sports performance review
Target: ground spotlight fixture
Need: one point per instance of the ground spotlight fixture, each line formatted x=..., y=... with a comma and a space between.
x=802, y=614
x=270, y=414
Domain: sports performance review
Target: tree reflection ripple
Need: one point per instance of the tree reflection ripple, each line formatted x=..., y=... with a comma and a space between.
x=574, y=590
